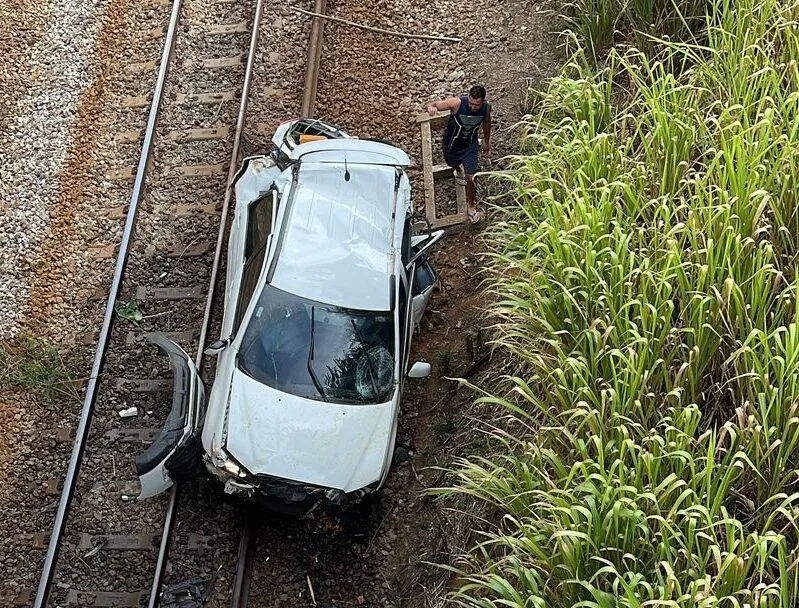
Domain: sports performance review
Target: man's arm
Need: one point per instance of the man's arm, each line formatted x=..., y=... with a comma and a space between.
x=450, y=103
x=487, y=133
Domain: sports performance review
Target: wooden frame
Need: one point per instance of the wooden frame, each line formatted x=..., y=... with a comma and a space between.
x=432, y=172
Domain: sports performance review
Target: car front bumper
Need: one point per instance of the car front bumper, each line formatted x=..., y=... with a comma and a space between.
x=285, y=496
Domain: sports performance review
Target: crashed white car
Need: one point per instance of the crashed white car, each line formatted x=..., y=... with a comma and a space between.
x=325, y=285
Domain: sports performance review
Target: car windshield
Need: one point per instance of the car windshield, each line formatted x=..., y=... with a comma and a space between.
x=319, y=351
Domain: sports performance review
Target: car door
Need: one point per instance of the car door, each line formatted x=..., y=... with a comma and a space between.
x=175, y=453
x=425, y=276
x=406, y=315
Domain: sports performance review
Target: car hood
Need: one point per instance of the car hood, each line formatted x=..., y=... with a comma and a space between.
x=324, y=444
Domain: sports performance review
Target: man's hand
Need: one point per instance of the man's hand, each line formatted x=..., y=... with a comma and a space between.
x=487, y=152
x=432, y=109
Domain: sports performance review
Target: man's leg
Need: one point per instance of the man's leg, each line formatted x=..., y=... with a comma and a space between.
x=470, y=191
x=471, y=166
x=454, y=161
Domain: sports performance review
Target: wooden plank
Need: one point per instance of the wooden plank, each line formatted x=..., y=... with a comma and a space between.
x=37, y=541
x=184, y=135
x=460, y=198
x=120, y=599
x=115, y=213
x=137, y=101
x=437, y=122
x=102, y=252
x=209, y=98
x=451, y=220
x=137, y=435
x=129, y=136
x=53, y=487
x=190, y=251
x=216, y=63
x=427, y=169
x=17, y=598
x=144, y=385
x=155, y=33
x=121, y=174
x=138, y=68
x=188, y=209
x=169, y=293
x=442, y=170
x=220, y=29
x=199, y=542
x=195, y=170
x=143, y=541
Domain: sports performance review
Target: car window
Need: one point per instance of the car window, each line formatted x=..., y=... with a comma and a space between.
x=406, y=241
x=403, y=304
x=259, y=227
x=319, y=351
x=259, y=224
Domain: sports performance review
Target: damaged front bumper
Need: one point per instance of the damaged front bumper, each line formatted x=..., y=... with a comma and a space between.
x=285, y=496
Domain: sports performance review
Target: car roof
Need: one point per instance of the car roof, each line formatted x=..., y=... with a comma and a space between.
x=337, y=244
x=355, y=150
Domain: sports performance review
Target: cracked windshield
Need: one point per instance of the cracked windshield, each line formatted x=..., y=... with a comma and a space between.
x=348, y=353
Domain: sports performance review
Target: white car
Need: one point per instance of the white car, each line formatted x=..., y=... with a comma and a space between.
x=325, y=285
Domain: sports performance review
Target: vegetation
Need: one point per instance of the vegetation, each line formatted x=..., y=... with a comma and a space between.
x=600, y=24
x=36, y=365
x=646, y=279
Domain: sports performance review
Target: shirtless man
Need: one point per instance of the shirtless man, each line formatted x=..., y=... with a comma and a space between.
x=461, y=147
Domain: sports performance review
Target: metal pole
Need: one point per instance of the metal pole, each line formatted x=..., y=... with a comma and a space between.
x=87, y=410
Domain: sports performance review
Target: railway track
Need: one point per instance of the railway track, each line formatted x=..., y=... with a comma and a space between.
x=106, y=548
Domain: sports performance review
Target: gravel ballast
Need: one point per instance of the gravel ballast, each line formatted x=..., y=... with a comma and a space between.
x=35, y=142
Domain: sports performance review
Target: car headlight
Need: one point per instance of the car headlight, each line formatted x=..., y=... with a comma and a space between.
x=232, y=468
x=221, y=461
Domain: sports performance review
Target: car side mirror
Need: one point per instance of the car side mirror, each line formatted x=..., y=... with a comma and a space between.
x=420, y=369
x=214, y=348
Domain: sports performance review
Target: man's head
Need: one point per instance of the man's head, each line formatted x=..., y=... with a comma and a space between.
x=477, y=96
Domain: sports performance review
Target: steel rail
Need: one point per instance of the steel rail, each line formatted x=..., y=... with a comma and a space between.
x=244, y=562
x=232, y=170
x=169, y=519
x=312, y=64
x=87, y=410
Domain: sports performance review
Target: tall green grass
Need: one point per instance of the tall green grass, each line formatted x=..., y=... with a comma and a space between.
x=598, y=25
x=646, y=279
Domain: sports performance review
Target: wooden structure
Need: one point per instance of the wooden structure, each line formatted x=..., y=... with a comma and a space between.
x=432, y=173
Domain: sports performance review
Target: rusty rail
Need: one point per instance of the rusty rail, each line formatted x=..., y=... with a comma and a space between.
x=314, y=58
x=244, y=562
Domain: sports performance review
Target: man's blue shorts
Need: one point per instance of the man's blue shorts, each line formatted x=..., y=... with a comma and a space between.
x=469, y=158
